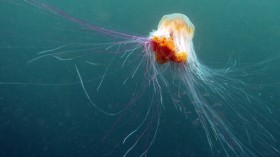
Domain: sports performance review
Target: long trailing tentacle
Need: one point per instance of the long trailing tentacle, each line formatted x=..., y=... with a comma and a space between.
x=61, y=13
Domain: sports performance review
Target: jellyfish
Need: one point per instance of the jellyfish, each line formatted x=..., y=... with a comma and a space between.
x=232, y=118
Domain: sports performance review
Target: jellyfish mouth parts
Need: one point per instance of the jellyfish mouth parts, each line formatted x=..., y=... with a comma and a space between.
x=165, y=50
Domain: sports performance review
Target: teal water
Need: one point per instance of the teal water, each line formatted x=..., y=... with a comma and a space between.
x=47, y=114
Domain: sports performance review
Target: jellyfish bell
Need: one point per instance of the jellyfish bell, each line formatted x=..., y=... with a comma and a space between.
x=172, y=41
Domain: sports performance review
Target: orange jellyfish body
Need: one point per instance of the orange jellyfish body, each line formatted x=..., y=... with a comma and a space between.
x=171, y=42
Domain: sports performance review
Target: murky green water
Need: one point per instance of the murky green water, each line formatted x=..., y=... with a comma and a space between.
x=46, y=113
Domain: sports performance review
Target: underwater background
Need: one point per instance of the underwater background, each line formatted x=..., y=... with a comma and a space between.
x=45, y=114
